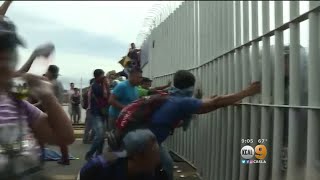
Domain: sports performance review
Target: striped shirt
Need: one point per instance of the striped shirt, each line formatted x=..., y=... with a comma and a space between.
x=16, y=117
x=11, y=111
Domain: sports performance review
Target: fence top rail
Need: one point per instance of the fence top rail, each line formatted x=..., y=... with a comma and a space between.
x=283, y=27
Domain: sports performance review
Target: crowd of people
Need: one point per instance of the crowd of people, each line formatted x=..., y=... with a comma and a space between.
x=141, y=154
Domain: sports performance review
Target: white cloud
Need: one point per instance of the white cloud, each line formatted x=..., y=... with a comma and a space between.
x=112, y=25
x=122, y=19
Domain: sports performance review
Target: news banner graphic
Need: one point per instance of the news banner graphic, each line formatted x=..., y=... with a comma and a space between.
x=254, y=155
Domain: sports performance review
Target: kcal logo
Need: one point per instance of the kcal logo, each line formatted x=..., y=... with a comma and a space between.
x=260, y=152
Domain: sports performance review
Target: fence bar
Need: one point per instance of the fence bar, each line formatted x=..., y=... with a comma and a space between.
x=211, y=25
x=295, y=169
x=215, y=129
x=278, y=126
x=170, y=42
x=189, y=64
x=190, y=33
x=245, y=72
x=202, y=28
x=266, y=118
x=198, y=72
x=312, y=172
x=255, y=76
x=219, y=124
x=211, y=137
x=219, y=26
x=186, y=22
x=185, y=54
x=207, y=130
x=237, y=113
x=230, y=127
x=224, y=120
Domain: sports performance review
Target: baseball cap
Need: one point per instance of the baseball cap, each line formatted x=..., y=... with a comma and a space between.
x=8, y=29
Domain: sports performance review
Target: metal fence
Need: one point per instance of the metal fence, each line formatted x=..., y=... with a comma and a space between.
x=223, y=44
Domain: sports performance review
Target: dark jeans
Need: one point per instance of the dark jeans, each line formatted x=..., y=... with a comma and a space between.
x=98, y=126
x=111, y=123
x=167, y=162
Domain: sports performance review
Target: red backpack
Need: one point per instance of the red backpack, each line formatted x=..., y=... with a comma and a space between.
x=136, y=115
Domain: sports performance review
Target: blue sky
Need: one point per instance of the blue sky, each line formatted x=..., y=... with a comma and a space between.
x=87, y=35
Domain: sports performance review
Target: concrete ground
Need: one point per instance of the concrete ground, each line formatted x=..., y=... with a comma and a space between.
x=77, y=149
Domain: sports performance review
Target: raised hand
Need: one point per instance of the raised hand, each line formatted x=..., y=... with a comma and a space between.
x=254, y=88
x=44, y=50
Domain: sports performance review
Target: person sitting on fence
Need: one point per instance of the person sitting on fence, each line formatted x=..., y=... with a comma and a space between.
x=134, y=55
x=139, y=161
x=145, y=88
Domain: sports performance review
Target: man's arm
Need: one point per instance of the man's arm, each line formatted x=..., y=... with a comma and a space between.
x=160, y=87
x=43, y=50
x=26, y=67
x=54, y=127
x=227, y=100
x=4, y=7
x=116, y=93
x=113, y=101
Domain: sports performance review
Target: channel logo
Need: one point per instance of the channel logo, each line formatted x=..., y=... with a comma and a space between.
x=259, y=152
x=247, y=152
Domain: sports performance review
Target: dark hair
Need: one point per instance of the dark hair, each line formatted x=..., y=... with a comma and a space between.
x=132, y=44
x=91, y=81
x=54, y=70
x=76, y=89
x=135, y=70
x=183, y=79
x=97, y=73
x=72, y=83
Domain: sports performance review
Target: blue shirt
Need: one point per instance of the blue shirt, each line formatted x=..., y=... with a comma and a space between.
x=171, y=112
x=125, y=94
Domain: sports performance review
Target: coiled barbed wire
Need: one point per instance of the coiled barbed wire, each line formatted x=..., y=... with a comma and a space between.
x=157, y=14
